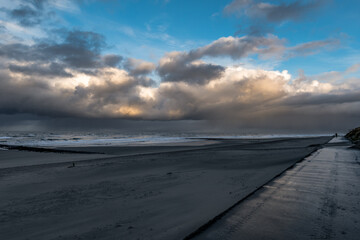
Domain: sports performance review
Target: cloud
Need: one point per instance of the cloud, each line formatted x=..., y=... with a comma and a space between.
x=282, y=12
x=29, y=13
x=138, y=67
x=177, y=66
x=306, y=99
x=69, y=76
x=272, y=12
x=310, y=48
x=112, y=60
x=65, y=5
x=80, y=49
x=237, y=5
x=49, y=70
x=112, y=92
x=234, y=47
x=26, y=15
x=14, y=33
x=239, y=97
x=127, y=31
x=189, y=67
x=77, y=49
x=194, y=73
x=239, y=47
x=354, y=68
x=263, y=14
x=238, y=91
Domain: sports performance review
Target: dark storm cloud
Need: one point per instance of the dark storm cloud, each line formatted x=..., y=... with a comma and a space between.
x=113, y=91
x=51, y=70
x=259, y=99
x=20, y=52
x=33, y=96
x=192, y=73
x=261, y=14
x=236, y=93
x=78, y=49
x=68, y=76
x=323, y=99
x=30, y=122
x=198, y=74
x=112, y=60
x=240, y=97
x=40, y=96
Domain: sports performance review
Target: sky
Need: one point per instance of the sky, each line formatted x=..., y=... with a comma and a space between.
x=235, y=65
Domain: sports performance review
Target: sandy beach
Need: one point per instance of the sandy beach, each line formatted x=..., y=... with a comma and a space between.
x=136, y=192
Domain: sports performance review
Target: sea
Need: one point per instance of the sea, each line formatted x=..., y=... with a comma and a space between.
x=80, y=139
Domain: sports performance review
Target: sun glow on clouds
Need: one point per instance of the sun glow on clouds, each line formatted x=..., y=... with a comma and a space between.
x=79, y=79
x=315, y=87
x=237, y=94
x=71, y=77
x=128, y=111
x=117, y=94
x=146, y=93
x=51, y=68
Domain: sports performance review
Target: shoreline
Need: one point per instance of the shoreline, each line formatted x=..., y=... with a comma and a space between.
x=156, y=195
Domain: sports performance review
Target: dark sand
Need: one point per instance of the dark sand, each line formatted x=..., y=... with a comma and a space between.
x=149, y=192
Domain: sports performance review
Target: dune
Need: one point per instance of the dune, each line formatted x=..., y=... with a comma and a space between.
x=354, y=136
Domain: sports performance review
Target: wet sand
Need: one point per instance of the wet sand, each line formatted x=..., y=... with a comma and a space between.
x=317, y=199
x=142, y=192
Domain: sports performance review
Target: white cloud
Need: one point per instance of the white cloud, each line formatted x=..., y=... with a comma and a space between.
x=17, y=33
x=127, y=30
x=65, y=5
